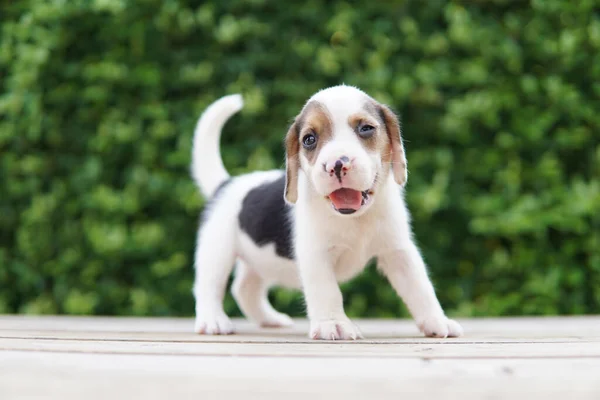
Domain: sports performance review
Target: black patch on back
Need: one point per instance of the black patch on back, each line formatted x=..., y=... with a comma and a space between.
x=264, y=217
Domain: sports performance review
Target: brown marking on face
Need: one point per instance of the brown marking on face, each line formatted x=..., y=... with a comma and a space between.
x=386, y=140
x=315, y=120
x=379, y=141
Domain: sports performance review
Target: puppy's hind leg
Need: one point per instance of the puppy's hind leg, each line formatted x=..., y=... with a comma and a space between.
x=250, y=292
x=214, y=259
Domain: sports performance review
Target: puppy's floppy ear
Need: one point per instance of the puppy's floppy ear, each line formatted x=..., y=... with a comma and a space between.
x=398, y=160
x=292, y=163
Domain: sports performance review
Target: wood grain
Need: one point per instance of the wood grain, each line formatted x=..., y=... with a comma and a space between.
x=111, y=358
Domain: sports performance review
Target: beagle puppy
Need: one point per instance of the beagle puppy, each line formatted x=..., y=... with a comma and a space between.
x=338, y=204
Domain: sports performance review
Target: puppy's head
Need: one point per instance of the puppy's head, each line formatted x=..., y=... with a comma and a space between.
x=346, y=143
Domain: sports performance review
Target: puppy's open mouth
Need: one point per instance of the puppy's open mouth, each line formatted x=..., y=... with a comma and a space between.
x=348, y=201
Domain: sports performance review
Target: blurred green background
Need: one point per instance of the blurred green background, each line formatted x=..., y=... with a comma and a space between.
x=499, y=104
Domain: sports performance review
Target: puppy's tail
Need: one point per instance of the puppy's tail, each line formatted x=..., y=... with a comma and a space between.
x=207, y=166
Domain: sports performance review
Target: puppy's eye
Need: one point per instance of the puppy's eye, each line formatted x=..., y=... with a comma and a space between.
x=309, y=141
x=366, y=131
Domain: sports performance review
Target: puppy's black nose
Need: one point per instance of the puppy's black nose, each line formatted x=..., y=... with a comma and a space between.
x=338, y=167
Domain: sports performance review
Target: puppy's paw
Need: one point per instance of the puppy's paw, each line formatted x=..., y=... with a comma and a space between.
x=440, y=327
x=334, y=330
x=213, y=324
x=276, y=320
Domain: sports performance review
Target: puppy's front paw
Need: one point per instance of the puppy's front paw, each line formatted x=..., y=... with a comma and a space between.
x=334, y=330
x=441, y=327
x=213, y=324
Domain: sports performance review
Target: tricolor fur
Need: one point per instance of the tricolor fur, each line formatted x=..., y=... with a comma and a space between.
x=338, y=204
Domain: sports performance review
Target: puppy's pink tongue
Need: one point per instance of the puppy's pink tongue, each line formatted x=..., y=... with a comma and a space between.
x=346, y=198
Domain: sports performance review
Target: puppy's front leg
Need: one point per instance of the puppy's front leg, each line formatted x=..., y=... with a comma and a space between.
x=406, y=271
x=324, y=301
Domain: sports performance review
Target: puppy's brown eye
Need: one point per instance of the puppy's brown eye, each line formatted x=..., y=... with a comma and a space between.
x=366, y=131
x=309, y=141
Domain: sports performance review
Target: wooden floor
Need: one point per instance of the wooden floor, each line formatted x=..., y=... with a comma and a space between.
x=112, y=358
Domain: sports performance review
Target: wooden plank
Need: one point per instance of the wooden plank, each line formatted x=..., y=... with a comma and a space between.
x=279, y=337
x=550, y=328
x=449, y=349
x=91, y=377
x=71, y=358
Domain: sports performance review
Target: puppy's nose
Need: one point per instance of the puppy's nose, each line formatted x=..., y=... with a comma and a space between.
x=338, y=167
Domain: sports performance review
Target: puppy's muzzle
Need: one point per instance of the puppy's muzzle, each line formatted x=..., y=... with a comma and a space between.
x=339, y=167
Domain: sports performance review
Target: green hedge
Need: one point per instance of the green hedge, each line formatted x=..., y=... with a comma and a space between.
x=499, y=103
